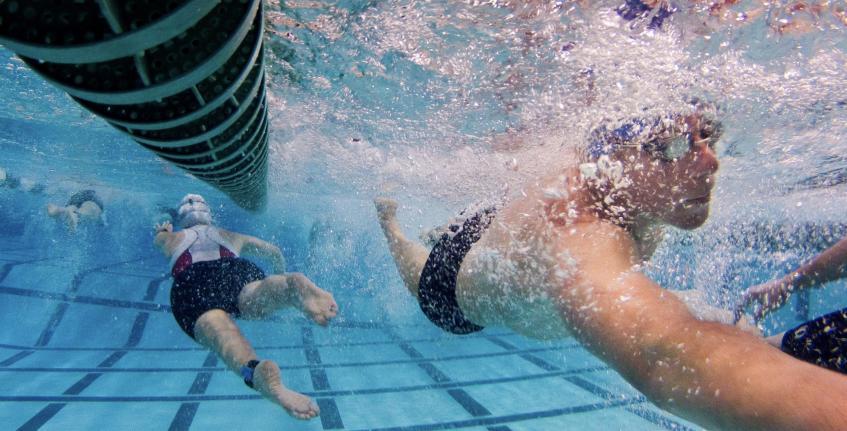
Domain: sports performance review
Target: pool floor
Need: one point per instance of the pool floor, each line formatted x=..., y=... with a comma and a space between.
x=98, y=349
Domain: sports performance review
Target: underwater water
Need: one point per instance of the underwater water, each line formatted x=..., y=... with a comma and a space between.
x=438, y=104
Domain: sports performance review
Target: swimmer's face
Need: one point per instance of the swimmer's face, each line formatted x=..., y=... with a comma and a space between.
x=675, y=185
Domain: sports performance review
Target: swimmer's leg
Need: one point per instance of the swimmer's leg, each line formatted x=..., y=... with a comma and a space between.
x=260, y=299
x=67, y=213
x=215, y=330
x=409, y=256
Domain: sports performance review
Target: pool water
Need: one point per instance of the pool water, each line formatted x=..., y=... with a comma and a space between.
x=437, y=104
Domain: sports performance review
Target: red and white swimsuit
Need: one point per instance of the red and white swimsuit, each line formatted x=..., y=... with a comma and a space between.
x=201, y=243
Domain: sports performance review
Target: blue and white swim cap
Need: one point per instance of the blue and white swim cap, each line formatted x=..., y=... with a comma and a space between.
x=193, y=210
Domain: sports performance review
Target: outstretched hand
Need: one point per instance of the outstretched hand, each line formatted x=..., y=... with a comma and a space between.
x=164, y=226
x=765, y=297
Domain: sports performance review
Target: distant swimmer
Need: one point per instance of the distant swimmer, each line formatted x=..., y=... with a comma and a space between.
x=823, y=340
x=565, y=257
x=212, y=285
x=82, y=207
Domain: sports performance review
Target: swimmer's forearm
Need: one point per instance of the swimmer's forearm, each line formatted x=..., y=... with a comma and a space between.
x=266, y=250
x=830, y=265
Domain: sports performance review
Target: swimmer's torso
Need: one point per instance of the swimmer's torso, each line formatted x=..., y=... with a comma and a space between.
x=516, y=273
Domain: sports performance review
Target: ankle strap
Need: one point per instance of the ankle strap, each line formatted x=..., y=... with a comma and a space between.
x=247, y=371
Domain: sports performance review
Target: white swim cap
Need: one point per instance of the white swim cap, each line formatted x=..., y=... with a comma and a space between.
x=193, y=210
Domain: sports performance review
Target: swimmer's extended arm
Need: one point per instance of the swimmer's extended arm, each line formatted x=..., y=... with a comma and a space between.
x=829, y=265
x=710, y=373
x=166, y=239
x=251, y=245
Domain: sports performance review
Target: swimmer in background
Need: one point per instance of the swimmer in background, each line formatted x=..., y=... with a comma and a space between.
x=564, y=258
x=82, y=207
x=212, y=285
x=823, y=340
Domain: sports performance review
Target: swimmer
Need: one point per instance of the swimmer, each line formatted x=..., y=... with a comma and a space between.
x=823, y=340
x=564, y=258
x=82, y=207
x=212, y=285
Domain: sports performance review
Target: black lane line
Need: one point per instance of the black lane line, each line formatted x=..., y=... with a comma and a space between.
x=185, y=415
x=307, y=366
x=330, y=416
x=62, y=307
x=535, y=360
x=16, y=357
x=7, y=268
x=52, y=324
x=464, y=399
x=153, y=287
x=49, y=411
x=497, y=420
x=137, y=330
x=662, y=421
x=82, y=299
x=41, y=418
x=267, y=347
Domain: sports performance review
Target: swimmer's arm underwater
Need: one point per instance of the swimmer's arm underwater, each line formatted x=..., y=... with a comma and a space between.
x=166, y=239
x=828, y=266
x=253, y=246
x=713, y=374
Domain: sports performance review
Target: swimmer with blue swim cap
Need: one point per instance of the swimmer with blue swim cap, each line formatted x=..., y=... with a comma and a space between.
x=564, y=257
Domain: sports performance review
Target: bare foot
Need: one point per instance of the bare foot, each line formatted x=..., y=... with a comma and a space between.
x=266, y=380
x=386, y=209
x=315, y=302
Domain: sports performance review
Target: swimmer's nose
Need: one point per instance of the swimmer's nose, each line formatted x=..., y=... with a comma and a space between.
x=705, y=156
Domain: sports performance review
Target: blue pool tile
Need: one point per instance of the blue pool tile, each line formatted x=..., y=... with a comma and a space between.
x=366, y=353
x=130, y=416
x=93, y=326
x=455, y=346
x=530, y=395
x=37, y=383
x=62, y=359
x=378, y=377
x=401, y=409
x=162, y=331
x=599, y=420
x=115, y=286
x=144, y=359
x=140, y=384
x=253, y=415
x=38, y=276
x=15, y=414
x=22, y=319
x=487, y=368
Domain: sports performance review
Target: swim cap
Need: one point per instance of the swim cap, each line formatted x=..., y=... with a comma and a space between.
x=605, y=142
x=193, y=210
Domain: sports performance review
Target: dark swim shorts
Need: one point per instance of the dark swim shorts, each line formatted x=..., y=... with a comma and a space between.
x=437, y=285
x=210, y=285
x=79, y=198
x=822, y=341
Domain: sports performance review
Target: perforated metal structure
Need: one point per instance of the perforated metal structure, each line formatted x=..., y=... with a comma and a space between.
x=183, y=78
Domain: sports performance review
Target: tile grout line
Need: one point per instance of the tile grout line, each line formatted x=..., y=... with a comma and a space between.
x=595, y=389
x=49, y=411
x=471, y=405
x=330, y=416
x=61, y=308
x=184, y=417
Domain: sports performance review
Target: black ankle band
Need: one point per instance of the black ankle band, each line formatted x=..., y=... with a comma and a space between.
x=247, y=371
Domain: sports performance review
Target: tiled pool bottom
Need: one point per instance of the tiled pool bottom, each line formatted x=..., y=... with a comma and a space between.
x=98, y=349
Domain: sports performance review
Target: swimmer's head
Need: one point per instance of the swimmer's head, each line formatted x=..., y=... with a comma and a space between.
x=193, y=210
